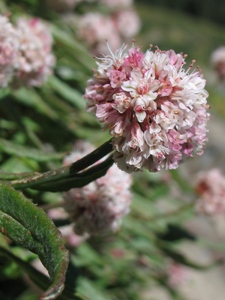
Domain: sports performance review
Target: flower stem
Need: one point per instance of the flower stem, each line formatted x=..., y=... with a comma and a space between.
x=67, y=175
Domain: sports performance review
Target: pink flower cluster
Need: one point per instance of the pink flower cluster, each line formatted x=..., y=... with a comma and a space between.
x=177, y=274
x=210, y=186
x=35, y=59
x=155, y=110
x=98, y=207
x=218, y=62
x=9, y=45
x=95, y=28
x=25, y=52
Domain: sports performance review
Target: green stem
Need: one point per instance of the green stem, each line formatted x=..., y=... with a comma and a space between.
x=70, y=172
x=6, y=176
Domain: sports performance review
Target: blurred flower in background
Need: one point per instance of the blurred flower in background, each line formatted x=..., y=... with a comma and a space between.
x=127, y=23
x=218, y=62
x=98, y=207
x=70, y=237
x=210, y=186
x=9, y=45
x=35, y=59
x=114, y=21
x=95, y=28
x=177, y=274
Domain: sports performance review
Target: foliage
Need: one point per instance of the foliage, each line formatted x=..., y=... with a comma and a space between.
x=205, y=9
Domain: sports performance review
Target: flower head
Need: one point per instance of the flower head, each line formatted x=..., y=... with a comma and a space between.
x=98, y=207
x=128, y=22
x=9, y=44
x=35, y=60
x=210, y=186
x=94, y=28
x=218, y=62
x=155, y=110
x=177, y=274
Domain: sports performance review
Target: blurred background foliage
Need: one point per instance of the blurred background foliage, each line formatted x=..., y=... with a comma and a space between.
x=38, y=127
x=211, y=10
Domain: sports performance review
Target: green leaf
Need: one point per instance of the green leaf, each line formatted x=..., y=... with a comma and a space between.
x=29, y=226
x=20, y=151
x=32, y=99
x=90, y=291
x=174, y=233
x=19, y=165
x=79, y=52
x=87, y=256
x=181, y=259
x=68, y=93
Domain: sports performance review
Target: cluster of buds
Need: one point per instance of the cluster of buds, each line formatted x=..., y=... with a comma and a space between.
x=26, y=57
x=98, y=207
x=155, y=110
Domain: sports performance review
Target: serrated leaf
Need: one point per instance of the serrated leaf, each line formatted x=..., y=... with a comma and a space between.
x=28, y=225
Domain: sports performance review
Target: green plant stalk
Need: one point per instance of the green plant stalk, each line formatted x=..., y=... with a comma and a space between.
x=78, y=180
x=69, y=173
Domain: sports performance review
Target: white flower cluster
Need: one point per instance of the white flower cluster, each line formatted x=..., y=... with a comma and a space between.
x=115, y=21
x=9, y=45
x=155, y=110
x=94, y=28
x=25, y=52
x=98, y=207
x=35, y=60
